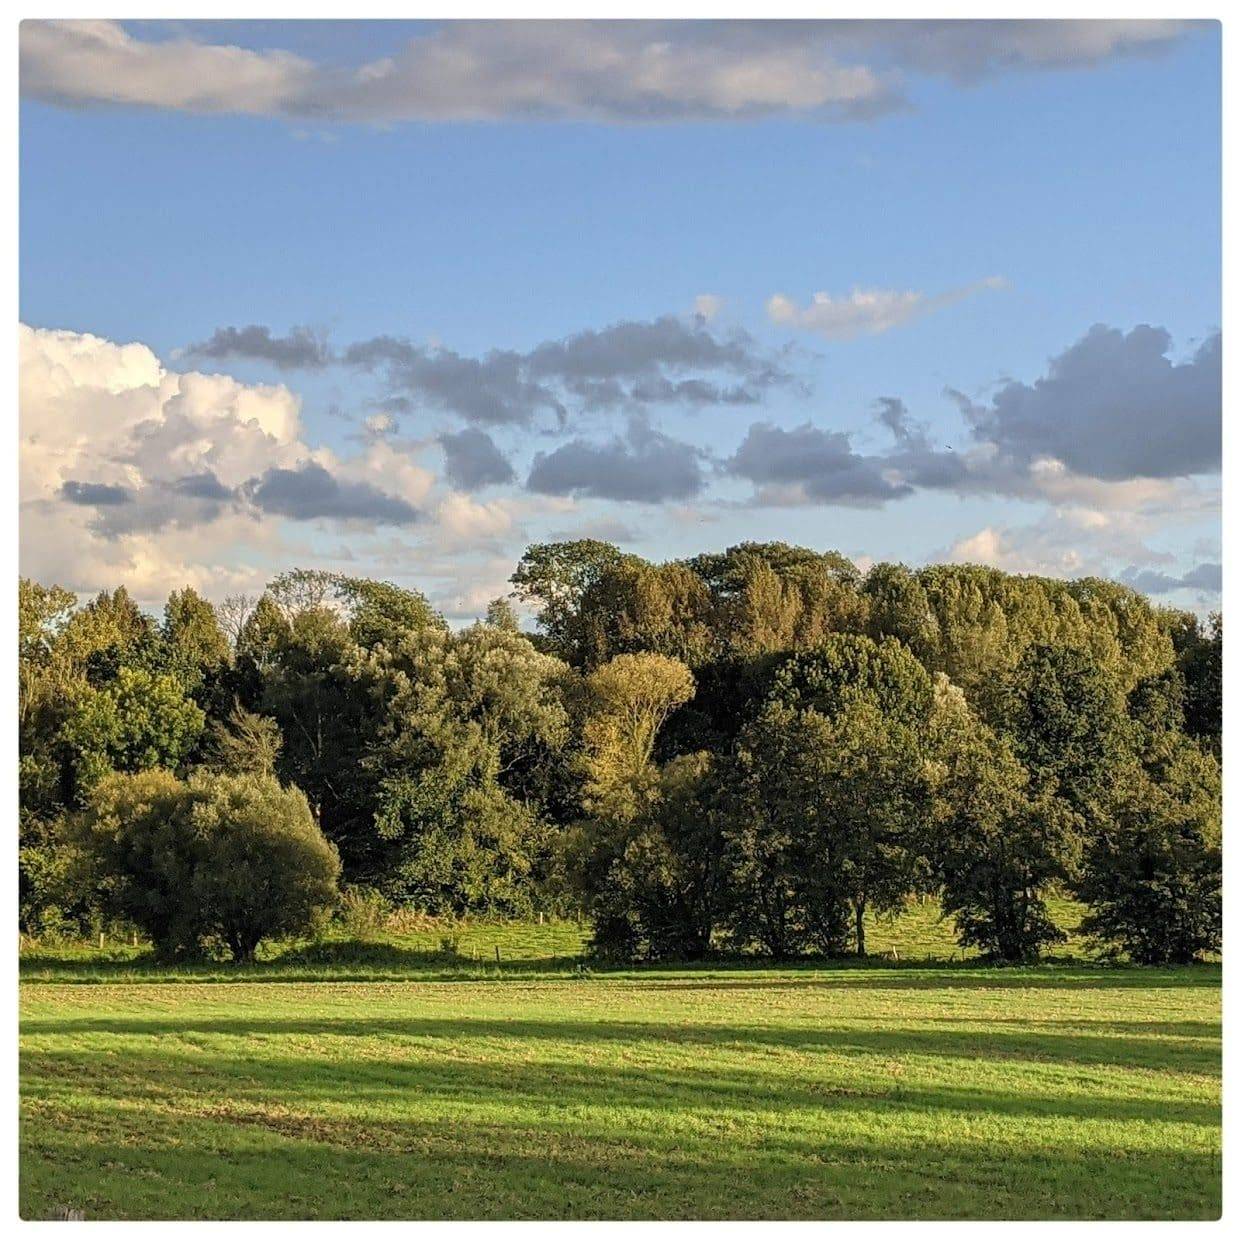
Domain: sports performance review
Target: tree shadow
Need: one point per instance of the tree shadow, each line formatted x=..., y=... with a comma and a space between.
x=968, y=1040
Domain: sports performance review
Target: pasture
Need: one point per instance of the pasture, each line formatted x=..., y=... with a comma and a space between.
x=393, y=1080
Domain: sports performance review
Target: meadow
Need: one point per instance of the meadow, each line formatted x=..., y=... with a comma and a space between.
x=416, y=1077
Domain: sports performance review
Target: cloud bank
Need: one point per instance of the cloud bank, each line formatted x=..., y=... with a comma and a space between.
x=602, y=71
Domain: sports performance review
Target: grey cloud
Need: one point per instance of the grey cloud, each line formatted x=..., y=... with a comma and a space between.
x=646, y=466
x=603, y=71
x=1113, y=406
x=202, y=486
x=967, y=51
x=301, y=349
x=814, y=464
x=187, y=502
x=310, y=491
x=95, y=494
x=472, y=460
x=493, y=389
x=629, y=365
x=1206, y=577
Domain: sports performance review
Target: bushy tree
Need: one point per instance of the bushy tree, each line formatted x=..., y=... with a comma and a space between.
x=467, y=752
x=995, y=844
x=830, y=811
x=243, y=743
x=1152, y=873
x=1065, y=717
x=655, y=883
x=622, y=847
x=1199, y=655
x=554, y=577
x=215, y=859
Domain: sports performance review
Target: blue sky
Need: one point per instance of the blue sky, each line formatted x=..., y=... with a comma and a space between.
x=1086, y=184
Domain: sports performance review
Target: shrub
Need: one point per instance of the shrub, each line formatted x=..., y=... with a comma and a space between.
x=217, y=859
x=363, y=912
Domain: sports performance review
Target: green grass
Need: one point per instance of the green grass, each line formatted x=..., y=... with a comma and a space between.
x=481, y=948
x=389, y=1081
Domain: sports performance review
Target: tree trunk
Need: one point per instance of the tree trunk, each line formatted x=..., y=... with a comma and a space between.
x=859, y=911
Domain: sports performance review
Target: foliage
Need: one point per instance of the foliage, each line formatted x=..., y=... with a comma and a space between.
x=996, y=844
x=1152, y=878
x=757, y=749
x=217, y=858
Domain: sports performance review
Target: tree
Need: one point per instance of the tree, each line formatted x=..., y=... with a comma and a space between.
x=1200, y=655
x=500, y=615
x=192, y=629
x=1152, y=871
x=634, y=607
x=995, y=844
x=1065, y=717
x=137, y=721
x=774, y=598
x=629, y=700
x=554, y=577
x=833, y=807
x=465, y=758
x=656, y=886
x=244, y=743
x=621, y=861
x=217, y=858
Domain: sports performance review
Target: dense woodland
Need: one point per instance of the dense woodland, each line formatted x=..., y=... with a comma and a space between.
x=740, y=752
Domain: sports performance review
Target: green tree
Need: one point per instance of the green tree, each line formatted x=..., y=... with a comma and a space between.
x=1065, y=717
x=630, y=698
x=1200, y=659
x=193, y=631
x=243, y=743
x=219, y=858
x=137, y=721
x=554, y=577
x=465, y=759
x=996, y=845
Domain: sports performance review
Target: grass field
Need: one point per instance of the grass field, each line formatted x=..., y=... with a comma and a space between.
x=396, y=1081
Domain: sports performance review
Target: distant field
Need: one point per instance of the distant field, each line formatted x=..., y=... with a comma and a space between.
x=453, y=1088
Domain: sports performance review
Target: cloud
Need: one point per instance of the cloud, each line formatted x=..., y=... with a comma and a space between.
x=94, y=494
x=810, y=465
x=1209, y=578
x=132, y=472
x=301, y=349
x=867, y=312
x=202, y=486
x=464, y=71
x=309, y=492
x=603, y=71
x=644, y=466
x=472, y=460
x=968, y=51
x=629, y=365
x=1113, y=406
x=1070, y=539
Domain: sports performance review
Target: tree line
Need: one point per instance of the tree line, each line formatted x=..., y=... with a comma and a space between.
x=745, y=751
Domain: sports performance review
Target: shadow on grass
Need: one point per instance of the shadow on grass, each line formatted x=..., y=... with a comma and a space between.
x=566, y=1143
x=1193, y=1054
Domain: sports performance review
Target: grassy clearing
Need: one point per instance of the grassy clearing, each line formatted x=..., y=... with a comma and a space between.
x=475, y=949
x=386, y=1081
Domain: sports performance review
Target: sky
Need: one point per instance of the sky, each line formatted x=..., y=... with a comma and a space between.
x=398, y=299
